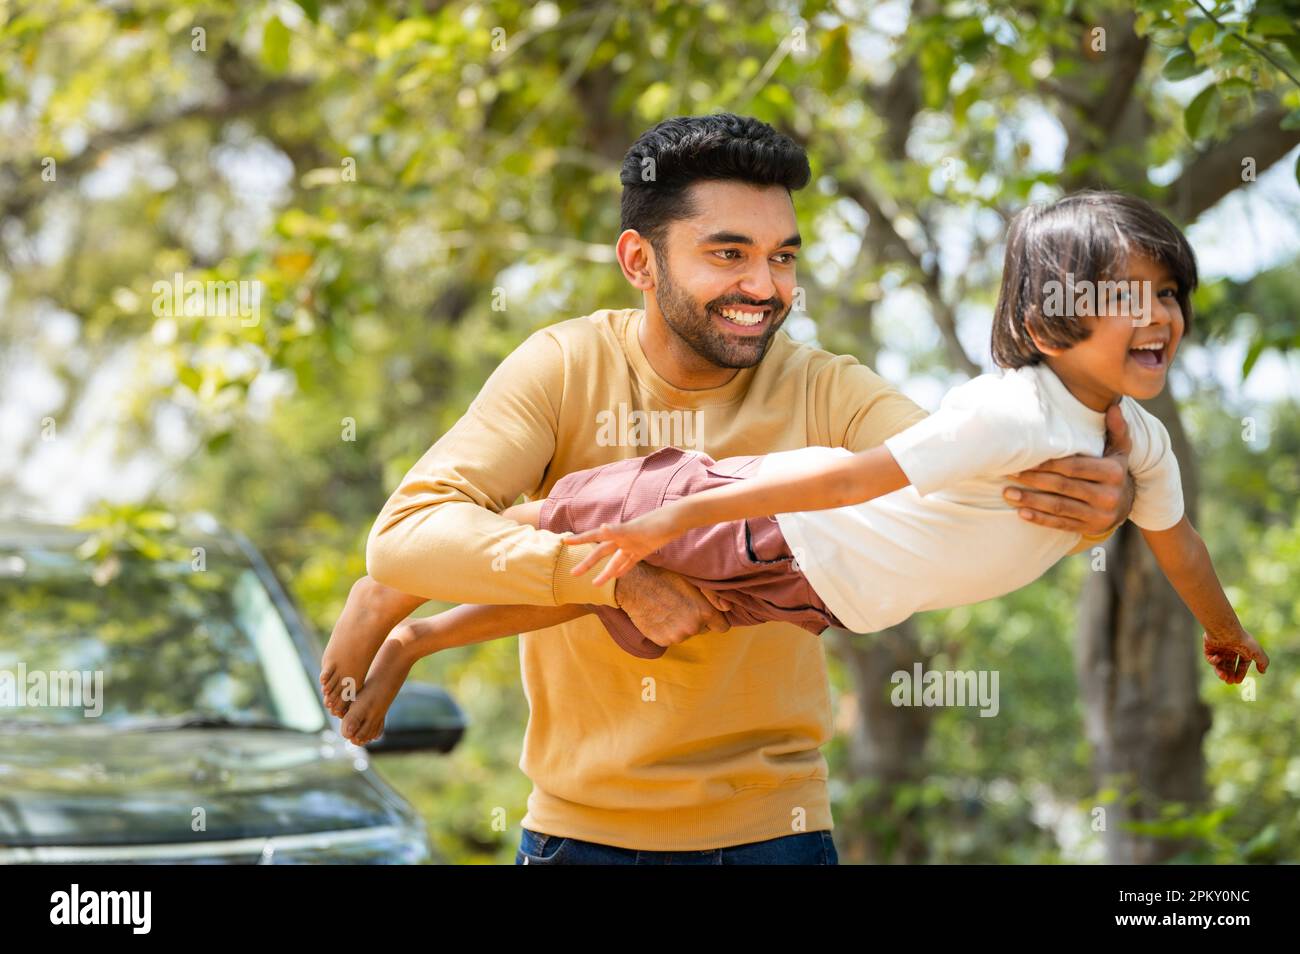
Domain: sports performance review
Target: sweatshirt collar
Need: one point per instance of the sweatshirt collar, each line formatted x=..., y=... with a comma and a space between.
x=729, y=393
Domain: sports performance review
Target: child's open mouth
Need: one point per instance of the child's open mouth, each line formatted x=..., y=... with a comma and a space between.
x=1151, y=357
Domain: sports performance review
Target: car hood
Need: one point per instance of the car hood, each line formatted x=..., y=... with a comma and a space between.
x=132, y=788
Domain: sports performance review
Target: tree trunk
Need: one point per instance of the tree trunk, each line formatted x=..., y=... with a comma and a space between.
x=1137, y=659
x=886, y=748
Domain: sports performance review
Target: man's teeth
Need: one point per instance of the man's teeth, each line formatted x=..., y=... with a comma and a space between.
x=743, y=317
x=1153, y=346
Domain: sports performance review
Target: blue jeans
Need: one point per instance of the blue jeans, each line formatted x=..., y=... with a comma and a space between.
x=809, y=848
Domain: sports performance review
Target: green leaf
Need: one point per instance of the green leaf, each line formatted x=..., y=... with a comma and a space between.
x=190, y=377
x=275, y=46
x=311, y=8
x=1262, y=842
x=155, y=520
x=837, y=59
x=1201, y=36
x=1182, y=65
x=1194, y=117
x=1167, y=36
x=1292, y=44
x=1273, y=26
x=1235, y=86
x=937, y=64
x=1252, y=355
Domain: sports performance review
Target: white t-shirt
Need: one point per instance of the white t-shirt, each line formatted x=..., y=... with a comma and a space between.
x=950, y=538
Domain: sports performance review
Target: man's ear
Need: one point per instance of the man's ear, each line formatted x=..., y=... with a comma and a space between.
x=636, y=258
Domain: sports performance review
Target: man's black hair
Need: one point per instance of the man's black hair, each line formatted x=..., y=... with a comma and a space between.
x=666, y=160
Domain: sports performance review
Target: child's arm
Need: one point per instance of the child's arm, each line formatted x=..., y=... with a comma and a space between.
x=1182, y=556
x=864, y=476
x=477, y=623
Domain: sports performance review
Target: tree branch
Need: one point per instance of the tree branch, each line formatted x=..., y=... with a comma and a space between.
x=237, y=103
x=1217, y=170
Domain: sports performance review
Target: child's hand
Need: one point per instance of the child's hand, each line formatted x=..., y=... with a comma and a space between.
x=1231, y=655
x=630, y=542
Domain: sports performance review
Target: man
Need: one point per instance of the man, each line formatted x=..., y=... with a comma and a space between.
x=709, y=754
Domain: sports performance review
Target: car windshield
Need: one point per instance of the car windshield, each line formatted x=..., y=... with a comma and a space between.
x=160, y=644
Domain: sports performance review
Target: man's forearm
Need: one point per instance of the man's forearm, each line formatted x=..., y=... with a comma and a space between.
x=459, y=552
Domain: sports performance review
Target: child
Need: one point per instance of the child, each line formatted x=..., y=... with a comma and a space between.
x=1095, y=299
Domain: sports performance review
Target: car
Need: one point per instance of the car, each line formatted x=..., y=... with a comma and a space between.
x=164, y=707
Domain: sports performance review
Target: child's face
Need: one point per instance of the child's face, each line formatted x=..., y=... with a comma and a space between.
x=1113, y=360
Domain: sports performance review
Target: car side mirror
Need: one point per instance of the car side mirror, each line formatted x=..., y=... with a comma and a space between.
x=423, y=717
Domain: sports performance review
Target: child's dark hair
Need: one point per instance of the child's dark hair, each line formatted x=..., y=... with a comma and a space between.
x=1088, y=235
x=666, y=160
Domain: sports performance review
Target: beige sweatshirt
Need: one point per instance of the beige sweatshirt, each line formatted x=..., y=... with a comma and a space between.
x=717, y=742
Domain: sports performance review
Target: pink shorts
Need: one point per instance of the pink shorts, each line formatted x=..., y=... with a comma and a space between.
x=748, y=561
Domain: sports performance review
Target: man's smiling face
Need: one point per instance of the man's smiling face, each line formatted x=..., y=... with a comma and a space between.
x=725, y=277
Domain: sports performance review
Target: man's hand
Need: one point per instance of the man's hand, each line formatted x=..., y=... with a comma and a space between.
x=666, y=608
x=1088, y=495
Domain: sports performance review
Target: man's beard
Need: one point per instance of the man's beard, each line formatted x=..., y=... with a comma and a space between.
x=696, y=327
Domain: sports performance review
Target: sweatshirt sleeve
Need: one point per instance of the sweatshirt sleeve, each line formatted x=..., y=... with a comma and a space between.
x=856, y=409
x=441, y=536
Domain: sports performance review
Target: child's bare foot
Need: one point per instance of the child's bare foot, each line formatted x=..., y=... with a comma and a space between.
x=369, y=615
x=364, y=721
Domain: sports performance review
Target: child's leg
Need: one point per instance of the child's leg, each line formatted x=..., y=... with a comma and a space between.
x=371, y=612
x=529, y=513
x=417, y=638
x=477, y=623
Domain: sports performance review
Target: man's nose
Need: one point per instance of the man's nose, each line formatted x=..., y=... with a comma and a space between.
x=757, y=282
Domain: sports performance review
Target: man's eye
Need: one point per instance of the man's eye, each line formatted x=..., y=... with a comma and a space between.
x=1169, y=292
x=789, y=258
x=727, y=252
